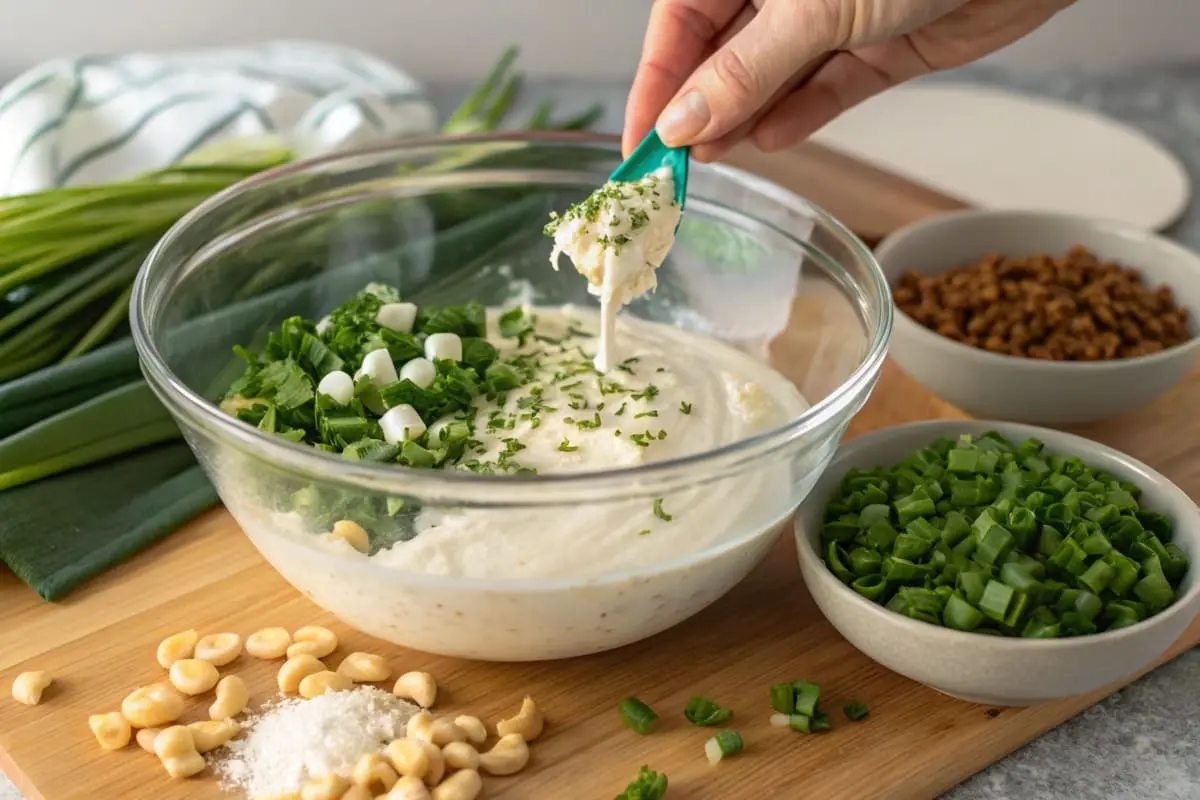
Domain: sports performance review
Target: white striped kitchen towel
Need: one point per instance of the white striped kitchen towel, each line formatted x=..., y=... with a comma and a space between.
x=101, y=118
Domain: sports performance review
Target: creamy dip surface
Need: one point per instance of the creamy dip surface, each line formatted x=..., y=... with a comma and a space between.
x=674, y=394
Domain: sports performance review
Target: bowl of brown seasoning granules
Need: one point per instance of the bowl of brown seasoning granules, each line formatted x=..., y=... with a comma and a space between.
x=1041, y=318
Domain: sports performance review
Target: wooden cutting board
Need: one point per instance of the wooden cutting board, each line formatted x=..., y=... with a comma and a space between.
x=100, y=642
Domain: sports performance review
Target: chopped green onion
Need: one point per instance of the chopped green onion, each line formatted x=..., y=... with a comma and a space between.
x=638, y=716
x=706, y=713
x=981, y=534
x=783, y=698
x=724, y=744
x=806, y=698
x=648, y=785
x=855, y=711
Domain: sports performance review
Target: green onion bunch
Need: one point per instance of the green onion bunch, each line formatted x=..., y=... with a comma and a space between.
x=68, y=256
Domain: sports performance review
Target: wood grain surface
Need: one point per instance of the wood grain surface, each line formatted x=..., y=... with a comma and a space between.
x=100, y=642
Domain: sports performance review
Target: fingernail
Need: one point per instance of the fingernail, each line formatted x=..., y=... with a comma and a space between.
x=683, y=119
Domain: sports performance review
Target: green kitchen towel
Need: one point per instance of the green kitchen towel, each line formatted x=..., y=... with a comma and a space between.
x=57, y=533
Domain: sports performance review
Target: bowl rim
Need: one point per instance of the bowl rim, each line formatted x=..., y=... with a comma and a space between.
x=857, y=447
x=518, y=489
x=951, y=348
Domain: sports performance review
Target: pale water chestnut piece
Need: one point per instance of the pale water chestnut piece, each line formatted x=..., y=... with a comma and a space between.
x=337, y=386
x=398, y=317
x=378, y=366
x=446, y=346
x=420, y=371
x=401, y=424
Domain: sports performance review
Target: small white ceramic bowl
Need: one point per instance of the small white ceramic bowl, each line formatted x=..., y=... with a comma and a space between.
x=992, y=669
x=993, y=386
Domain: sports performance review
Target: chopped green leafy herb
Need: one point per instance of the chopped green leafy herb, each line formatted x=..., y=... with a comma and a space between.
x=567, y=447
x=685, y=408
x=648, y=785
x=659, y=512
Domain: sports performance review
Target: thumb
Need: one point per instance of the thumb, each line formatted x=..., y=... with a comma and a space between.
x=743, y=75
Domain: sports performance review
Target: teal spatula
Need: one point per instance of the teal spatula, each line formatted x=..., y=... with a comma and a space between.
x=650, y=155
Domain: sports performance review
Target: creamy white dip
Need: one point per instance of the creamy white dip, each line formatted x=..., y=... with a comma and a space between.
x=562, y=580
x=616, y=239
x=673, y=394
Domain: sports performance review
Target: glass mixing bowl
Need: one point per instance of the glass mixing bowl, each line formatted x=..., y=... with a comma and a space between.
x=448, y=220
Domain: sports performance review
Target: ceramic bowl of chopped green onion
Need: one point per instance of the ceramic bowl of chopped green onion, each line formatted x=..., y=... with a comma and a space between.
x=1000, y=563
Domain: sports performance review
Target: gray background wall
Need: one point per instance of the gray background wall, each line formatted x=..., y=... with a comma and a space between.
x=453, y=39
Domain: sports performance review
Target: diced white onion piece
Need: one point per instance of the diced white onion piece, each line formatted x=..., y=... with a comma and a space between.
x=401, y=424
x=780, y=720
x=338, y=386
x=420, y=371
x=398, y=317
x=712, y=749
x=443, y=345
x=324, y=325
x=377, y=365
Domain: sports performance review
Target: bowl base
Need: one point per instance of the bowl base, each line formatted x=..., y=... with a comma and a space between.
x=1005, y=702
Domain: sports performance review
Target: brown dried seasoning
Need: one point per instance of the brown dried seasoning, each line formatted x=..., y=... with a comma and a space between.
x=1072, y=307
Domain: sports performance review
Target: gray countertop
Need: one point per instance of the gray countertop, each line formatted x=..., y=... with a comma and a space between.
x=1141, y=743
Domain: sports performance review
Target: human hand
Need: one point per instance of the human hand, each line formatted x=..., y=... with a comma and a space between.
x=775, y=71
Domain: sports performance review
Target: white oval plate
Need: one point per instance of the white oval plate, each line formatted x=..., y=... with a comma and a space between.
x=1001, y=150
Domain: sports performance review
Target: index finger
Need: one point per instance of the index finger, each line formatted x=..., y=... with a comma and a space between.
x=678, y=39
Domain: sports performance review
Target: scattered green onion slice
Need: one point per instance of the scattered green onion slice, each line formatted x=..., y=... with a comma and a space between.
x=638, y=716
x=855, y=710
x=648, y=785
x=706, y=713
x=724, y=743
